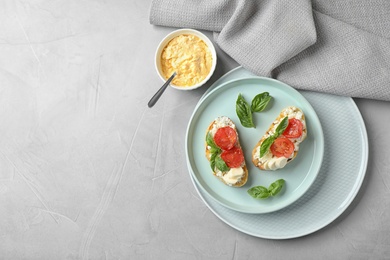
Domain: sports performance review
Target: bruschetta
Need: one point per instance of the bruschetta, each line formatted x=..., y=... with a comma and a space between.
x=224, y=152
x=280, y=144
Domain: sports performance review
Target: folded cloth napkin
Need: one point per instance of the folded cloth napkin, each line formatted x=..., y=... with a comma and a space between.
x=332, y=46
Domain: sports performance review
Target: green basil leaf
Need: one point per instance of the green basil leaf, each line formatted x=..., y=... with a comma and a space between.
x=244, y=112
x=220, y=164
x=276, y=187
x=210, y=141
x=281, y=127
x=265, y=145
x=259, y=192
x=215, y=150
x=260, y=102
x=212, y=161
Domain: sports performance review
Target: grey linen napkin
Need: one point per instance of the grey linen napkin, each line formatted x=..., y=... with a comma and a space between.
x=334, y=46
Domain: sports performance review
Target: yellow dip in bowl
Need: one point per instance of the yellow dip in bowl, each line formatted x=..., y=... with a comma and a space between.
x=191, y=54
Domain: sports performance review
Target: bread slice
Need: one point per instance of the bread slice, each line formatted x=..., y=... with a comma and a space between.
x=270, y=161
x=234, y=177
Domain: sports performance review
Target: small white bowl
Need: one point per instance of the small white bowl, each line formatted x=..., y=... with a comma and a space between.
x=174, y=34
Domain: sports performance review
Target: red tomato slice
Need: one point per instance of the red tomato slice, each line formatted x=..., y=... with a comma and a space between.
x=282, y=147
x=294, y=128
x=225, y=138
x=233, y=157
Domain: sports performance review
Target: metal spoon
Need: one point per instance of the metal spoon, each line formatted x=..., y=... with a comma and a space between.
x=158, y=94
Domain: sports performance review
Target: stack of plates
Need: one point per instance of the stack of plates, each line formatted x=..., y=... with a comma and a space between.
x=320, y=183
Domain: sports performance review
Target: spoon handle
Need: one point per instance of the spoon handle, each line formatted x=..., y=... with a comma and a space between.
x=158, y=94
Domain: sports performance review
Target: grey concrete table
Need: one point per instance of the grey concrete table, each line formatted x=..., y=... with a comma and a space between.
x=88, y=171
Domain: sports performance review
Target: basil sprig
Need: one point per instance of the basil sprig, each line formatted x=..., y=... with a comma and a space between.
x=261, y=192
x=266, y=144
x=245, y=112
x=215, y=158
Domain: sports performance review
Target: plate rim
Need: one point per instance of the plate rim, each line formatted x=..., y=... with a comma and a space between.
x=320, y=141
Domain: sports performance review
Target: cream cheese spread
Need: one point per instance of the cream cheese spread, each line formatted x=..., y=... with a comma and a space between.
x=233, y=176
x=221, y=121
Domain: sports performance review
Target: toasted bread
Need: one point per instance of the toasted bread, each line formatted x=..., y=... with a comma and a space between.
x=237, y=176
x=269, y=161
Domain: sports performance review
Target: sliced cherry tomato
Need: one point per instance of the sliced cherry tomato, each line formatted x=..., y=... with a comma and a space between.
x=225, y=138
x=233, y=157
x=294, y=128
x=282, y=147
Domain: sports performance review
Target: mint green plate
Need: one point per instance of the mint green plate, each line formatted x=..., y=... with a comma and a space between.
x=299, y=174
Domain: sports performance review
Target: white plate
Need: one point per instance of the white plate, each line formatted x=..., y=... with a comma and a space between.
x=339, y=180
x=298, y=175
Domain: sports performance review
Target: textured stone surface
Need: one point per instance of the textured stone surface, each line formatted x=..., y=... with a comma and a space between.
x=88, y=171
